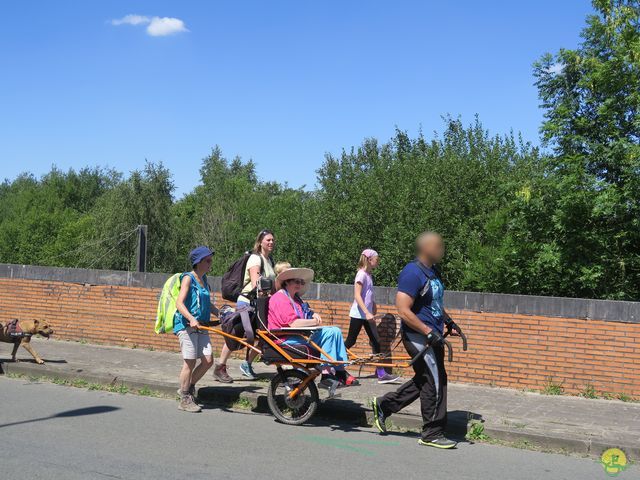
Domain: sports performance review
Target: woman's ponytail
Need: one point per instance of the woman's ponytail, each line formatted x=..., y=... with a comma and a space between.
x=362, y=263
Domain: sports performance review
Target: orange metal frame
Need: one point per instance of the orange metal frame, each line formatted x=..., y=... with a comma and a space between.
x=400, y=361
x=397, y=361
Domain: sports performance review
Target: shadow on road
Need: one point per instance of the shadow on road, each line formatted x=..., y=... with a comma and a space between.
x=29, y=360
x=227, y=392
x=78, y=412
x=354, y=418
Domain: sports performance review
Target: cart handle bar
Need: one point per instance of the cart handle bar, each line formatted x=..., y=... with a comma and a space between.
x=422, y=352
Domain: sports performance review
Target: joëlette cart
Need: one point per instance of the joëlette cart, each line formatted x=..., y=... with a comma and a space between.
x=293, y=395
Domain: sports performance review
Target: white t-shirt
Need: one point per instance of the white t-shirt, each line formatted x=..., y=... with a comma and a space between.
x=267, y=272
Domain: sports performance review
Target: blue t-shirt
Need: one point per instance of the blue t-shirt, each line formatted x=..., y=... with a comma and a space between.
x=427, y=292
x=198, y=302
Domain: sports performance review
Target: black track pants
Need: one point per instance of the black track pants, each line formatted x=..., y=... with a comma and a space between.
x=354, y=330
x=423, y=385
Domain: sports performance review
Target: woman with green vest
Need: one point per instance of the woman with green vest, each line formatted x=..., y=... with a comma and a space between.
x=195, y=305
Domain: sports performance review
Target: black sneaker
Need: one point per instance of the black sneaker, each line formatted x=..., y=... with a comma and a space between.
x=439, y=442
x=379, y=420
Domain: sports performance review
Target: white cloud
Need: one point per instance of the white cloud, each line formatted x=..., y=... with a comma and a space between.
x=162, y=26
x=156, y=26
x=131, y=20
x=556, y=68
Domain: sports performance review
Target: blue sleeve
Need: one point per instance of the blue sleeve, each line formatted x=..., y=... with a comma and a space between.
x=409, y=282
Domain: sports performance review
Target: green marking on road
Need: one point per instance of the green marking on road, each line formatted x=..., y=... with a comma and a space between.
x=349, y=445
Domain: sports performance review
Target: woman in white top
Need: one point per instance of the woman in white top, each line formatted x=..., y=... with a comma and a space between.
x=259, y=264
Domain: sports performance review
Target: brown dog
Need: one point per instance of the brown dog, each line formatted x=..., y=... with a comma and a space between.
x=29, y=328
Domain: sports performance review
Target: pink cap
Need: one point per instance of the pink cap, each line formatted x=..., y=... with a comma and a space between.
x=369, y=253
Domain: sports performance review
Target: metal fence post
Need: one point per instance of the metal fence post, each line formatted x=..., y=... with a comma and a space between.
x=141, y=252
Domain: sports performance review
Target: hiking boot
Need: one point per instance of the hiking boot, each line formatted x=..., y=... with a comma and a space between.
x=221, y=375
x=379, y=419
x=388, y=378
x=192, y=391
x=439, y=442
x=247, y=371
x=188, y=405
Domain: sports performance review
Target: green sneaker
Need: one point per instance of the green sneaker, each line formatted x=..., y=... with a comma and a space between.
x=440, y=442
x=378, y=417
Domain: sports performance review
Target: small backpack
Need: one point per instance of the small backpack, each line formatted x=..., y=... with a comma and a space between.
x=167, y=304
x=233, y=279
x=238, y=322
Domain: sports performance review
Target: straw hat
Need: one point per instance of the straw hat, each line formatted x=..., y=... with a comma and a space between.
x=305, y=274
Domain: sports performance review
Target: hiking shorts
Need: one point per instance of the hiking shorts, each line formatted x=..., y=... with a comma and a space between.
x=193, y=344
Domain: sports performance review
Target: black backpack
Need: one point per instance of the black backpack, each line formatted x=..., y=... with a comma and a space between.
x=233, y=278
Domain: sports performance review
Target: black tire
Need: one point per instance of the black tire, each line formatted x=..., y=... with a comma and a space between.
x=292, y=411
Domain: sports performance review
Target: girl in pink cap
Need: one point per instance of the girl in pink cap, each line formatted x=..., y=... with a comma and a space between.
x=363, y=310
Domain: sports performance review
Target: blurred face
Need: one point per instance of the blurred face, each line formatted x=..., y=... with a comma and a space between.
x=432, y=247
x=374, y=261
x=268, y=243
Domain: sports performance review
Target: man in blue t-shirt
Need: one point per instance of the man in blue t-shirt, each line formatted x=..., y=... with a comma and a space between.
x=420, y=305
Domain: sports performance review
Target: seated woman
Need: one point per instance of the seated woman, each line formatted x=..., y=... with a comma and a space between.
x=287, y=310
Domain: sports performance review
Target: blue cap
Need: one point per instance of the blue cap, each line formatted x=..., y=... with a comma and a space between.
x=198, y=254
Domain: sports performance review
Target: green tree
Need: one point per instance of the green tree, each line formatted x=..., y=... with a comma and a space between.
x=564, y=223
x=591, y=97
x=44, y=221
x=144, y=198
x=231, y=205
x=460, y=185
x=223, y=211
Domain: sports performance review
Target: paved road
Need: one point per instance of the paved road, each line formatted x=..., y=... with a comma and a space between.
x=575, y=423
x=54, y=432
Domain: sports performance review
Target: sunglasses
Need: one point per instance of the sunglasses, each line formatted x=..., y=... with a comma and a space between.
x=299, y=281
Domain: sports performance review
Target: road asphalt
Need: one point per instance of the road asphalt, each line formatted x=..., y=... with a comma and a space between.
x=54, y=432
x=555, y=422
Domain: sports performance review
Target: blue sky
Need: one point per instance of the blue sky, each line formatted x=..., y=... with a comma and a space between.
x=281, y=82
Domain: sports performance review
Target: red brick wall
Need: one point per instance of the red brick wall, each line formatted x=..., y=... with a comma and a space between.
x=505, y=350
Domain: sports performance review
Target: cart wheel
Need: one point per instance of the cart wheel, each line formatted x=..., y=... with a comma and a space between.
x=296, y=410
